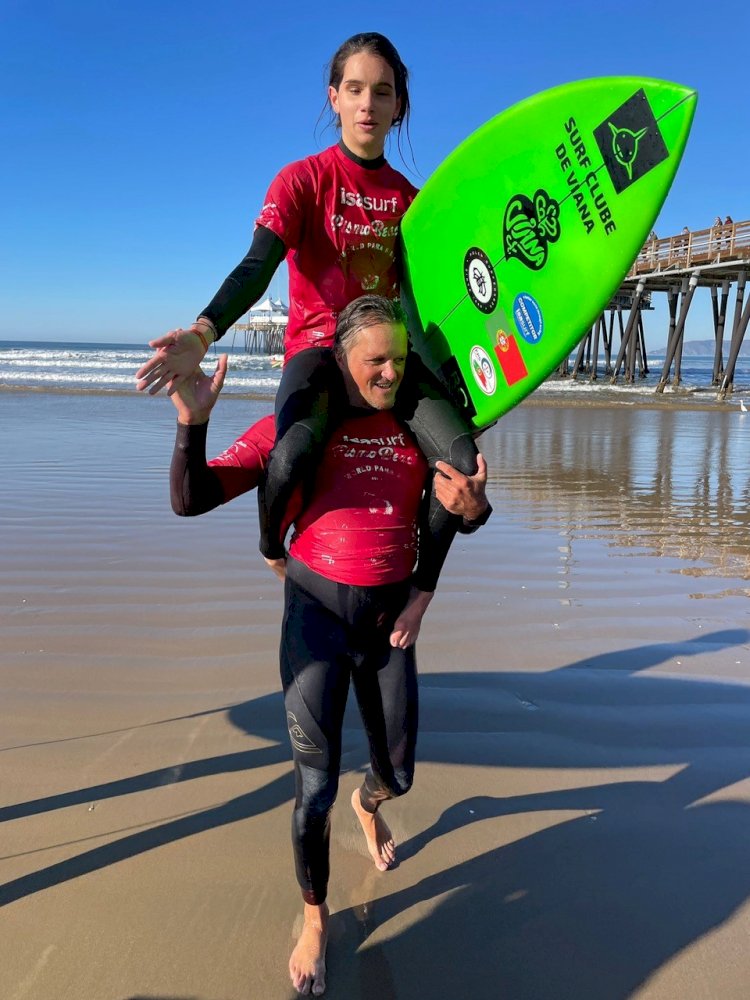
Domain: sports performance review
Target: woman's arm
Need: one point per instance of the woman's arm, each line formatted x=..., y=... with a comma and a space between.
x=179, y=352
x=247, y=282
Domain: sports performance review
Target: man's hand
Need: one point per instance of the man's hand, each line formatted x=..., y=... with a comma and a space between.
x=460, y=494
x=277, y=566
x=194, y=397
x=177, y=355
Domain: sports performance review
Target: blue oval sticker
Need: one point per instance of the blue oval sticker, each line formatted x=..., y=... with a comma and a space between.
x=528, y=317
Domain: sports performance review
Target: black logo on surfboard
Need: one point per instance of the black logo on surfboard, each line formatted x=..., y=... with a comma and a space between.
x=481, y=283
x=630, y=142
x=529, y=226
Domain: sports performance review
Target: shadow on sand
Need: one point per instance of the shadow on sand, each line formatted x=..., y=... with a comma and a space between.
x=587, y=908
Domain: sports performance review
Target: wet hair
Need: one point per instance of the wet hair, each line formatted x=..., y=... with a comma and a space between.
x=367, y=310
x=377, y=45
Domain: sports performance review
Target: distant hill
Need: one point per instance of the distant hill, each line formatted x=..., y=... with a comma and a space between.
x=700, y=349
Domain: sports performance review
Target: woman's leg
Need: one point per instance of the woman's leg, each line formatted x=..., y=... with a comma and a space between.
x=306, y=403
x=442, y=435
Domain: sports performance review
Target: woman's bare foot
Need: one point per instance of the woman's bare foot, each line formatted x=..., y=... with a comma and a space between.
x=307, y=966
x=408, y=623
x=380, y=842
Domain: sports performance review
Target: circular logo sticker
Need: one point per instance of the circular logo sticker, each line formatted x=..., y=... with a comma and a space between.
x=481, y=283
x=528, y=317
x=483, y=370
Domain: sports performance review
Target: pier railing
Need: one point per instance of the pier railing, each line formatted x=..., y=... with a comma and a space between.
x=717, y=245
x=718, y=259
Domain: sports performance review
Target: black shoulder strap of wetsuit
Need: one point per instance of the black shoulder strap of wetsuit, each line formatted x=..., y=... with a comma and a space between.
x=247, y=282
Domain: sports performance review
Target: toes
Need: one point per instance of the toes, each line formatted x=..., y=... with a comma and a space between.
x=300, y=980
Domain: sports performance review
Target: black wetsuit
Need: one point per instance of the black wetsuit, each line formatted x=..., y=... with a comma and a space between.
x=333, y=632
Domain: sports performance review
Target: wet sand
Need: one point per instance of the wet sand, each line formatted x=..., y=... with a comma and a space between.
x=580, y=817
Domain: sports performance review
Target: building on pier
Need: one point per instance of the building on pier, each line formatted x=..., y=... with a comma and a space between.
x=263, y=327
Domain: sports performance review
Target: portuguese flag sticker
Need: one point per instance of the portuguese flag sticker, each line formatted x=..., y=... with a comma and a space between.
x=509, y=357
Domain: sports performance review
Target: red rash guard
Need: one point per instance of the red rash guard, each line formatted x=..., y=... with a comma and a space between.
x=361, y=525
x=240, y=467
x=339, y=223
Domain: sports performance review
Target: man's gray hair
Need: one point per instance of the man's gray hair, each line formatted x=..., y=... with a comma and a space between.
x=367, y=310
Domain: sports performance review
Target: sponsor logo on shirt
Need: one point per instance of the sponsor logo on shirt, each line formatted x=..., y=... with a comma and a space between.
x=370, y=204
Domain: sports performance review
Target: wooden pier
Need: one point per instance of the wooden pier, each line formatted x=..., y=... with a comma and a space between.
x=260, y=338
x=716, y=258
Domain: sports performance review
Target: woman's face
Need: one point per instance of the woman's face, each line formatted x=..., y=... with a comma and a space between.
x=366, y=104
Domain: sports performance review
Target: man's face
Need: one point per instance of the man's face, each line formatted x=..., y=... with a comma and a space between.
x=374, y=365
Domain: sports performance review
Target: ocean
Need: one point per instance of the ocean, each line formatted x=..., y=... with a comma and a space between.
x=110, y=368
x=669, y=474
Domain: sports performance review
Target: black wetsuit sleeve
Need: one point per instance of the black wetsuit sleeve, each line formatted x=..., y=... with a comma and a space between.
x=194, y=487
x=247, y=282
x=469, y=527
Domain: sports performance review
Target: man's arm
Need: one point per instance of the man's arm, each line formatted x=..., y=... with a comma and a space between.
x=193, y=488
x=461, y=495
x=195, y=485
x=464, y=495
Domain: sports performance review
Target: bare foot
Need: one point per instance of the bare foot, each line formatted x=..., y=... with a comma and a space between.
x=408, y=623
x=380, y=842
x=307, y=966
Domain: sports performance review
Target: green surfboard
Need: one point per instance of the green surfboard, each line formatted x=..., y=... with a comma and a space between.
x=521, y=237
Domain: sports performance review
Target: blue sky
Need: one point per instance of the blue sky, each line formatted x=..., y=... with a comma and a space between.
x=140, y=138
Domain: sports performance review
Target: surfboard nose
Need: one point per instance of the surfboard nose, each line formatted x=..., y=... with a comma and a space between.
x=521, y=236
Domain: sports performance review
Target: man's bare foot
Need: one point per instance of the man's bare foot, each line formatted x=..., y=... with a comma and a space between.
x=408, y=623
x=307, y=966
x=380, y=842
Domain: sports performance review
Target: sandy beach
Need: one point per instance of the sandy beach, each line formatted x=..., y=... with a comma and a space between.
x=579, y=822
